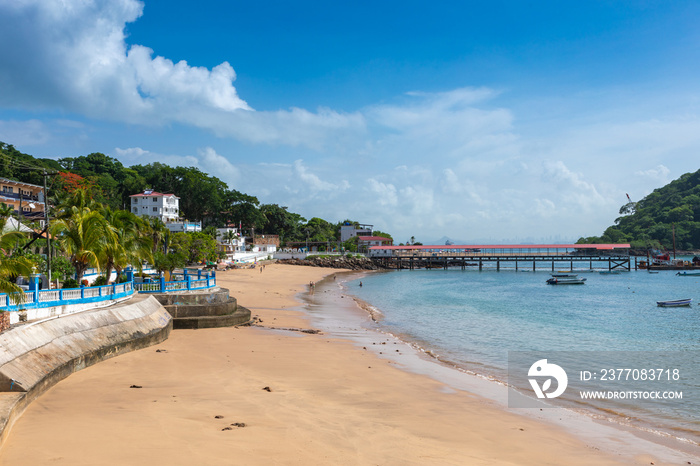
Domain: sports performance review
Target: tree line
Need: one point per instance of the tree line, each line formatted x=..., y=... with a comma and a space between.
x=203, y=197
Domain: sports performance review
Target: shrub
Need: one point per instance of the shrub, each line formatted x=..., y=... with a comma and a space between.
x=121, y=278
x=100, y=281
x=71, y=283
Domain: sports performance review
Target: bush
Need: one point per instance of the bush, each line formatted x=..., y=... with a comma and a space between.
x=121, y=278
x=100, y=281
x=71, y=283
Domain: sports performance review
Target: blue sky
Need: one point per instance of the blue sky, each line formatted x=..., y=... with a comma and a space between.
x=480, y=121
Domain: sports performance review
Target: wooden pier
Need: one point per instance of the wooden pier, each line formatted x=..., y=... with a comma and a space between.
x=520, y=257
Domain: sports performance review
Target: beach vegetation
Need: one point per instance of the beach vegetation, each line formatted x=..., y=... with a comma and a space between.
x=83, y=236
x=12, y=265
x=70, y=283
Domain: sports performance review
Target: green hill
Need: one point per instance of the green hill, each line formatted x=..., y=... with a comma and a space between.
x=651, y=221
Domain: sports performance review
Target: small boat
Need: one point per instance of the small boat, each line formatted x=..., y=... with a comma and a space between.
x=565, y=275
x=566, y=281
x=674, y=303
x=609, y=272
x=688, y=274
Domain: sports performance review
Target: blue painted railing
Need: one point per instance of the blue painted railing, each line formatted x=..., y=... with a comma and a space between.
x=36, y=299
x=201, y=281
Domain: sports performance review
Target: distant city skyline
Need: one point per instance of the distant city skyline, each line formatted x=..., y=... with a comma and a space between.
x=467, y=120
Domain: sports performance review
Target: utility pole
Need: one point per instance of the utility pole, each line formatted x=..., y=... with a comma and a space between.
x=48, y=235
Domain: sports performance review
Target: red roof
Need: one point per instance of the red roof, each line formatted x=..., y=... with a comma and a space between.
x=511, y=246
x=151, y=194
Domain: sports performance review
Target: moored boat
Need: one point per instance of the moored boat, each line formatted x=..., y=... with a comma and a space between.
x=566, y=280
x=689, y=274
x=674, y=303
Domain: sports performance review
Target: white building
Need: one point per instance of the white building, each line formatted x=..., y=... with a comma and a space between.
x=166, y=207
x=349, y=230
x=230, y=243
x=163, y=206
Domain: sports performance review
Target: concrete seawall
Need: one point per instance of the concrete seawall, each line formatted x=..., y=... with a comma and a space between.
x=203, y=309
x=34, y=357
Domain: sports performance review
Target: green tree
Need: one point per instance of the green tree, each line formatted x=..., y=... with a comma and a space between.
x=83, y=236
x=168, y=262
x=196, y=247
x=12, y=266
x=131, y=246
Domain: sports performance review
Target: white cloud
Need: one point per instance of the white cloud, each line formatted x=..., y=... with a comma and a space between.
x=71, y=55
x=218, y=166
x=312, y=182
x=383, y=194
x=658, y=173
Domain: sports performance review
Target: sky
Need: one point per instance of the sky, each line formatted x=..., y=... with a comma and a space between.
x=483, y=122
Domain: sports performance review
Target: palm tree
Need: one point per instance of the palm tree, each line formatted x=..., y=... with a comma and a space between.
x=158, y=232
x=83, y=235
x=130, y=244
x=11, y=267
x=80, y=198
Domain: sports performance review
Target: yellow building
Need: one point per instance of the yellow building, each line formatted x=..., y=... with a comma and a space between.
x=28, y=197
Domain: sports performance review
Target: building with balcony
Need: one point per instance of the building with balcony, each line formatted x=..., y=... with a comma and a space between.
x=166, y=207
x=349, y=230
x=24, y=198
x=230, y=241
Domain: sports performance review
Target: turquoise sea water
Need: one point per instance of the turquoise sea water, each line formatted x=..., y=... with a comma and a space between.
x=473, y=319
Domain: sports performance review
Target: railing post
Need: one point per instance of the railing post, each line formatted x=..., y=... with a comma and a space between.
x=114, y=287
x=189, y=282
x=82, y=291
x=199, y=274
x=162, y=283
x=34, y=286
x=60, y=294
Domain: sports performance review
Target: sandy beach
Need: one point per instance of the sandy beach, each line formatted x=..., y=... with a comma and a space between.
x=270, y=395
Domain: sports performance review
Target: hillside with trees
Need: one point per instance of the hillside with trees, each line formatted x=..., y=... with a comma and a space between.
x=203, y=197
x=651, y=222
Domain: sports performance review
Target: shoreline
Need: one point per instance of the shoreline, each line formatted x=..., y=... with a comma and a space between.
x=641, y=433
x=303, y=398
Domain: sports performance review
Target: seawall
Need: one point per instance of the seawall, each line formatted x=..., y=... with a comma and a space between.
x=36, y=356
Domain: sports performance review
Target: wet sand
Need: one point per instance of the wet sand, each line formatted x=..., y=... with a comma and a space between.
x=303, y=399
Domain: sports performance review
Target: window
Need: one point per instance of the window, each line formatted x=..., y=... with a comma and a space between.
x=136, y=200
x=154, y=199
x=136, y=209
x=155, y=209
